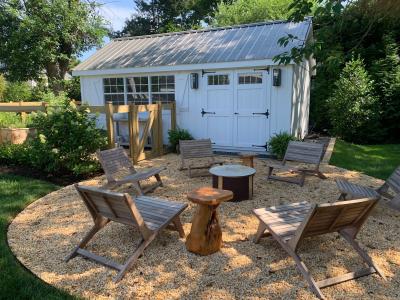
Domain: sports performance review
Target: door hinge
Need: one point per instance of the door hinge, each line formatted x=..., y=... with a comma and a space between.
x=264, y=113
x=262, y=146
x=206, y=112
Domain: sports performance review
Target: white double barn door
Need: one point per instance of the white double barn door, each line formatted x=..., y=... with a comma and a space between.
x=237, y=115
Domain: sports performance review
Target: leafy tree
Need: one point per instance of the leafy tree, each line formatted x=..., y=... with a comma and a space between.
x=386, y=73
x=3, y=85
x=46, y=35
x=250, y=11
x=353, y=108
x=17, y=91
x=158, y=16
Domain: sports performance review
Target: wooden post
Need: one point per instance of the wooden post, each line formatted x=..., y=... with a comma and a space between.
x=110, y=125
x=160, y=149
x=173, y=116
x=23, y=114
x=133, y=119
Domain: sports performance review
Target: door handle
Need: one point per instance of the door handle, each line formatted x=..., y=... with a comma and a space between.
x=206, y=112
x=235, y=113
x=264, y=113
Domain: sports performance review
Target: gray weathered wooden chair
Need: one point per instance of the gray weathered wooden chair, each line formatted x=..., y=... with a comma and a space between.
x=389, y=190
x=119, y=170
x=150, y=215
x=195, y=150
x=299, y=152
x=290, y=224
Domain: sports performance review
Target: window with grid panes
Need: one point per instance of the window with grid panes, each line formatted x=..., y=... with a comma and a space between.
x=222, y=79
x=250, y=78
x=163, y=89
x=138, y=89
x=114, y=90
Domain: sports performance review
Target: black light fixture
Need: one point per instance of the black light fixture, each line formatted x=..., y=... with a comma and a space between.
x=276, y=77
x=194, y=81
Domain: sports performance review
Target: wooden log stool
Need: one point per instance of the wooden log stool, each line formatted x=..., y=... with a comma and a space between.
x=247, y=158
x=205, y=236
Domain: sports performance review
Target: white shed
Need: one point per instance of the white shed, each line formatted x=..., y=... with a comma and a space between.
x=223, y=80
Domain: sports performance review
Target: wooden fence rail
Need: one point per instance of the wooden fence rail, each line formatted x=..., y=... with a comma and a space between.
x=152, y=126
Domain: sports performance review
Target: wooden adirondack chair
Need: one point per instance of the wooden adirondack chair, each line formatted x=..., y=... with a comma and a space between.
x=299, y=152
x=290, y=224
x=149, y=214
x=119, y=170
x=389, y=190
x=197, y=150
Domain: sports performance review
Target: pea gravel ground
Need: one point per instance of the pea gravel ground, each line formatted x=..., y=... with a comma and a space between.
x=46, y=231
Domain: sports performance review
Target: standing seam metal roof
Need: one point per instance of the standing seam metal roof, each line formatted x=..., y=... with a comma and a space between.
x=225, y=44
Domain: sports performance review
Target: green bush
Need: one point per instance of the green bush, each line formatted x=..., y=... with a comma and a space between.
x=178, y=134
x=13, y=120
x=353, y=107
x=66, y=140
x=17, y=91
x=14, y=154
x=279, y=143
x=3, y=84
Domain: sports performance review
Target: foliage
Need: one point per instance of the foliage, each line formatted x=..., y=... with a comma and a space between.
x=178, y=134
x=66, y=139
x=386, y=73
x=54, y=100
x=375, y=160
x=158, y=16
x=353, y=108
x=279, y=143
x=12, y=120
x=17, y=91
x=14, y=154
x=16, y=192
x=44, y=35
x=251, y=11
x=343, y=30
x=73, y=88
x=3, y=86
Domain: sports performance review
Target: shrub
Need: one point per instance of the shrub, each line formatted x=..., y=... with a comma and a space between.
x=3, y=84
x=279, y=143
x=18, y=91
x=353, y=108
x=12, y=120
x=14, y=154
x=66, y=140
x=178, y=134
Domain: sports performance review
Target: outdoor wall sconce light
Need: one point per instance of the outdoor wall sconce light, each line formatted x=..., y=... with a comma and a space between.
x=276, y=77
x=194, y=81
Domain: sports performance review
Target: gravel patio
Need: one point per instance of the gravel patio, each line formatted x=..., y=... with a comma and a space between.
x=46, y=231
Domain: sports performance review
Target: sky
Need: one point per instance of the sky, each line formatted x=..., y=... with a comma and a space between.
x=115, y=12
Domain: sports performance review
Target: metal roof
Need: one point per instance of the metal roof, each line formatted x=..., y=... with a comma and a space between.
x=214, y=45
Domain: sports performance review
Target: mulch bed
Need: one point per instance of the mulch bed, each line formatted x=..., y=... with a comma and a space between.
x=47, y=230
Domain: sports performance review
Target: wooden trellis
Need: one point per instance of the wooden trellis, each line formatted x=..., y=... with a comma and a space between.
x=152, y=126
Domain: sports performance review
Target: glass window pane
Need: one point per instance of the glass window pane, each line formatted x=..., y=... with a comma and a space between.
x=144, y=80
x=171, y=79
x=162, y=80
x=120, y=81
x=210, y=79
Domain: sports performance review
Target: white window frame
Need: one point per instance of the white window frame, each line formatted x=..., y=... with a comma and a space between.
x=250, y=74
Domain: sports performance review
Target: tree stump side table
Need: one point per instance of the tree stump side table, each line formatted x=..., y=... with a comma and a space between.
x=205, y=236
x=247, y=158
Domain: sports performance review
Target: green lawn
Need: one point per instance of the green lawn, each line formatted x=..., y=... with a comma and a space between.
x=375, y=160
x=15, y=282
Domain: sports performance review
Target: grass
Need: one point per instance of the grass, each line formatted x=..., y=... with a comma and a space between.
x=15, y=281
x=375, y=160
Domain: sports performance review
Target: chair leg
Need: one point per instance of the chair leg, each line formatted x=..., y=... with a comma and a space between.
x=270, y=169
x=138, y=188
x=342, y=196
x=178, y=226
x=305, y=272
x=131, y=261
x=98, y=225
x=260, y=232
x=158, y=177
x=302, y=178
x=364, y=255
x=321, y=175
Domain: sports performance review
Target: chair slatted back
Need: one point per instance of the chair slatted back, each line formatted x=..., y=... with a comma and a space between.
x=304, y=152
x=116, y=163
x=195, y=148
x=394, y=180
x=333, y=217
x=114, y=206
